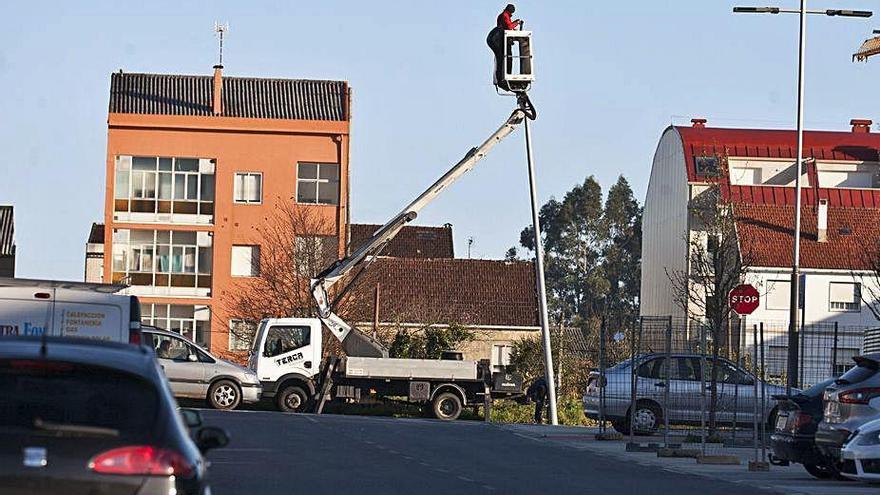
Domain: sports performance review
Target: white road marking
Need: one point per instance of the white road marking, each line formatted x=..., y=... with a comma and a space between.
x=464, y=478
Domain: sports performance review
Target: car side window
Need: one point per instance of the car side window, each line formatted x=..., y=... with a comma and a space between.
x=282, y=339
x=651, y=369
x=172, y=348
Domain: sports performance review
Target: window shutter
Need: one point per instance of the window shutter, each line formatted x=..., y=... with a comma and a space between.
x=843, y=292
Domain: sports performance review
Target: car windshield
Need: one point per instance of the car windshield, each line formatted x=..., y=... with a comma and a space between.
x=75, y=399
x=817, y=389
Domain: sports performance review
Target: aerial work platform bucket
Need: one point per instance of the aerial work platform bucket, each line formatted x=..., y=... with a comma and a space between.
x=518, y=71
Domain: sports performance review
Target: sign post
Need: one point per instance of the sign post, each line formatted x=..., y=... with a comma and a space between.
x=744, y=299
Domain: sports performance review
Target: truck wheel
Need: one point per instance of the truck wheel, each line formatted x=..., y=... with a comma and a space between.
x=447, y=406
x=224, y=394
x=292, y=399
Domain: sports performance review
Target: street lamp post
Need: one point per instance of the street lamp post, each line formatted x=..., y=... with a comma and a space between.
x=793, y=336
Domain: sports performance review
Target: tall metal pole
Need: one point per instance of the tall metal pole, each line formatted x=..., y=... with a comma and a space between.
x=542, y=290
x=793, y=337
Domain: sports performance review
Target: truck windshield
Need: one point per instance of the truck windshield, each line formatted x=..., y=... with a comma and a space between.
x=258, y=337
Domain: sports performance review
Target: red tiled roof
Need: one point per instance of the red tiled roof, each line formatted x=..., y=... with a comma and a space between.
x=464, y=291
x=765, y=235
x=760, y=143
x=413, y=241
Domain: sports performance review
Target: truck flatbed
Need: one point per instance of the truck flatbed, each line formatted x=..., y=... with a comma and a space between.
x=423, y=369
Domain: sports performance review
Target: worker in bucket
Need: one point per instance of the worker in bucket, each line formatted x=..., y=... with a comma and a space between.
x=537, y=392
x=495, y=40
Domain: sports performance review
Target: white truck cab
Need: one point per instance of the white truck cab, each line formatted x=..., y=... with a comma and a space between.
x=287, y=353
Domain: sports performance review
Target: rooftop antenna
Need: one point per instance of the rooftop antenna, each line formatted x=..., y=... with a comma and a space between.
x=470, y=241
x=220, y=29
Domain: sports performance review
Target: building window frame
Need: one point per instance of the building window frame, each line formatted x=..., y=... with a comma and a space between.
x=317, y=182
x=254, y=261
x=163, y=261
x=845, y=306
x=168, y=186
x=240, y=344
x=241, y=196
x=196, y=329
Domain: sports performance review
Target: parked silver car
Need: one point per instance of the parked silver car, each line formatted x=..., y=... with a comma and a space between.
x=850, y=402
x=736, y=393
x=194, y=373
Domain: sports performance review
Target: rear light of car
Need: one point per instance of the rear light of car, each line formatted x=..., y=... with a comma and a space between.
x=141, y=460
x=40, y=365
x=134, y=337
x=799, y=421
x=859, y=395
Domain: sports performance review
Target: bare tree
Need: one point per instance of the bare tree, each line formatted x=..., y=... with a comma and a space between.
x=716, y=263
x=295, y=243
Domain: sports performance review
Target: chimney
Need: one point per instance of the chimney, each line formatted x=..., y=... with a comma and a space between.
x=822, y=221
x=698, y=123
x=861, y=126
x=218, y=90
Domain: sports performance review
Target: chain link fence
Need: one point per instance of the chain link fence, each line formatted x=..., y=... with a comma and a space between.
x=682, y=383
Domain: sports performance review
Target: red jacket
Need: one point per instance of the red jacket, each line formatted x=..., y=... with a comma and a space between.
x=505, y=22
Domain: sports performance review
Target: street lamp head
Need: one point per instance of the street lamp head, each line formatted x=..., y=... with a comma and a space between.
x=849, y=13
x=756, y=10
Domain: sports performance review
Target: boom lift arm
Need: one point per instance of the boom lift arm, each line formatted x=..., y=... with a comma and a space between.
x=355, y=342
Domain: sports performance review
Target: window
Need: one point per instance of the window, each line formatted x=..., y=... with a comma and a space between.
x=314, y=253
x=163, y=258
x=193, y=322
x=283, y=339
x=317, y=183
x=241, y=334
x=166, y=189
x=845, y=296
x=248, y=187
x=779, y=294
x=501, y=356
x=707, y=166
x=245, y=261
x=844, y=360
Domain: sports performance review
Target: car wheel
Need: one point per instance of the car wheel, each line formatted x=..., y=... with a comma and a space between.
x=647, y=418
x=447, y=406
x=224, y=394
x=292, y=399
x=819, y=472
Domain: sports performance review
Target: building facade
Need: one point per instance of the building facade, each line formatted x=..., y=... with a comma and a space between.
x=754, y=171
x=195, y=165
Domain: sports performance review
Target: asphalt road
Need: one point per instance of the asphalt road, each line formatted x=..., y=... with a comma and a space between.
x=272, y=452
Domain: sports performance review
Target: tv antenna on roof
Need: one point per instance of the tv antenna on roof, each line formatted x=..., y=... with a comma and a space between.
x=220, y=29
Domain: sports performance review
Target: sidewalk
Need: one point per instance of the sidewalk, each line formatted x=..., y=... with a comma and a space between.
x=788, y=479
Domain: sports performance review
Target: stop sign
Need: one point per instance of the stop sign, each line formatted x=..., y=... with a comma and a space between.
x=743, y=299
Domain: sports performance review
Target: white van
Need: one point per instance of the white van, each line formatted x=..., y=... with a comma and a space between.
x=68, y=309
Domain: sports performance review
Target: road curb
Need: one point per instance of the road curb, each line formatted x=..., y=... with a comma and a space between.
x=719, y=460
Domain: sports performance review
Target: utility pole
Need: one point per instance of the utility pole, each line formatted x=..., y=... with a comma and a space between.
x=794, y=303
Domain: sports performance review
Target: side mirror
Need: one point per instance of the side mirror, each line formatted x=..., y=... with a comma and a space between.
x=211, y=437
x=192, y=358
x=191, y=417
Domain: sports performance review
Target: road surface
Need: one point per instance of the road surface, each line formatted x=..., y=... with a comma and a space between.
x=279, y=453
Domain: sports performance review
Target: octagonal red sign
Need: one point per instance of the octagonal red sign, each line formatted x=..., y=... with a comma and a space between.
x=743, y=299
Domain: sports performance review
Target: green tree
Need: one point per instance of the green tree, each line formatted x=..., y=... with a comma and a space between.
x=573, y=235
x=622, y=252
x=428, y=342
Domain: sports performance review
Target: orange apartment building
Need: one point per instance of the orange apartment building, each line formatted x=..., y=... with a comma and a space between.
x=194, y=165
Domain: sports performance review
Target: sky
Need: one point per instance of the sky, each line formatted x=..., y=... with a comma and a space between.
x=611, y=76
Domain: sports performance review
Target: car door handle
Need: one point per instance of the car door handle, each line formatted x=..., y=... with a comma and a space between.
x=660, y=384
x=307, y=364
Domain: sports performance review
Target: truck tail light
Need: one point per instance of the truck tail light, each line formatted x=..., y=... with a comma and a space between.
x=859, y=395
x=141, y=460
x=134, y=337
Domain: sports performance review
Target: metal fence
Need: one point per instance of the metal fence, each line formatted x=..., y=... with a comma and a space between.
x=684, y=382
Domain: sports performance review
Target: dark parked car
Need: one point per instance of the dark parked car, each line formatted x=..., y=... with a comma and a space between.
x=793, y=440
x=851, y=401
x=79, y=416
